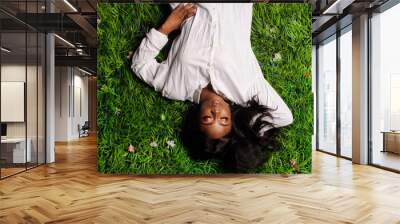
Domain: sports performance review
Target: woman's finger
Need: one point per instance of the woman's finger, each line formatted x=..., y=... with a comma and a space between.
x=180, y=7
x=193, y=7
x=189, y=5
x=191, y=11
x=190, y=15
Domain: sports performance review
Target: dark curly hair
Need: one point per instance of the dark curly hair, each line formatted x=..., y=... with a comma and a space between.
x=244, y=149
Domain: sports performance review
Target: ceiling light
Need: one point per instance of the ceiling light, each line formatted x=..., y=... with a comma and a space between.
x=5, y=50
x=65, y=41
x=70, y=5
x=79, y=51
x=84, y=71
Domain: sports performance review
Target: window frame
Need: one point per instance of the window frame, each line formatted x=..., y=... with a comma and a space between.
x=338, y=34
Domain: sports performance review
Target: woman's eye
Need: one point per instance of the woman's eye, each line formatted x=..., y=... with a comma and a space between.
x=207, y=118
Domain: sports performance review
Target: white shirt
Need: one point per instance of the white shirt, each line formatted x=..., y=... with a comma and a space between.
x=213, y=48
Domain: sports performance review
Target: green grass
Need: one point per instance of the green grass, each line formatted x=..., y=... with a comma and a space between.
x=130, y=112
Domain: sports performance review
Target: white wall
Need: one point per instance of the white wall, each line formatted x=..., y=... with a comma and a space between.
x=80, y=88
x=33, y=127
x=10, y=73
x=16, y=72
x=70, y=83
x=62, y=81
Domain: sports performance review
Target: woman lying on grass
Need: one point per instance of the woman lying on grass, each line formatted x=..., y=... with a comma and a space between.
x=211, y=63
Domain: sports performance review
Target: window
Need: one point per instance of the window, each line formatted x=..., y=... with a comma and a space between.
x=385, y=89
x=346, y=92
x=327, y=95
x=22, y=78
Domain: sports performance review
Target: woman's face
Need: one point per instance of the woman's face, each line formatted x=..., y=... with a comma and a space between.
x=215, y=118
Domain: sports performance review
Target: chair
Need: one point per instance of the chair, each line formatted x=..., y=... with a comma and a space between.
x=84, y=130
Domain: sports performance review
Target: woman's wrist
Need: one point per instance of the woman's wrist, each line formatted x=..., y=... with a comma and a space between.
x=163, y=29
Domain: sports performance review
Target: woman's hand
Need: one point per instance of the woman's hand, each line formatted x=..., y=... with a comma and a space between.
x=177, y=16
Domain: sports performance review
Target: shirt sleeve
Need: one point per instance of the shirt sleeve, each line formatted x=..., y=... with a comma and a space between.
x=173, y=5
x=280, y=113
x=144, y=64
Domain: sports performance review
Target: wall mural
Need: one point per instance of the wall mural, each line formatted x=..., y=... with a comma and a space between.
x=204, y=88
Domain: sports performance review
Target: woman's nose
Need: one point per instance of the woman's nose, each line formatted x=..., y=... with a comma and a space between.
x=216, y=110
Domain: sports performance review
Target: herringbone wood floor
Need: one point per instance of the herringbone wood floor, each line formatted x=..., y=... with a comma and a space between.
x=71, y=191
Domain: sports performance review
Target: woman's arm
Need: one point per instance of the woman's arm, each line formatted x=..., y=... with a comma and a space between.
x=144, y=64
x=281, y=114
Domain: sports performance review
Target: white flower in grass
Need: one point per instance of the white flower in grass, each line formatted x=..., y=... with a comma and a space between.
x=117, y=111
x=131, y=148
x=277, y=57
x=153, y=144
x=171, y=144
